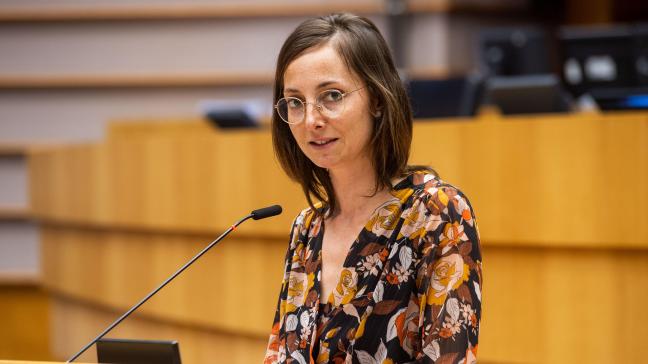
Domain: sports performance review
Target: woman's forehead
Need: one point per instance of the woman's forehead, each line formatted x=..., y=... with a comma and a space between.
x=317, y=66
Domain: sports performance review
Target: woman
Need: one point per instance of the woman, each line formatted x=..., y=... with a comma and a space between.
x=386, y=266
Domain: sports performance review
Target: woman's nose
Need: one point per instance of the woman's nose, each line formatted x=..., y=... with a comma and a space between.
x=313, y=117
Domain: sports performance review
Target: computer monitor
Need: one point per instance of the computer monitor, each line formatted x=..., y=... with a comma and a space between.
x=457, y=96
x=641, y=53
x=598, y=58
x=514, y=51
x=530, y=94
x=234, y=114
x=231, y=119
x=123, y=351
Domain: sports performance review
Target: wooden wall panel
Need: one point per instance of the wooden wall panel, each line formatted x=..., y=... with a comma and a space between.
x=552, y=180
x=75, y=323
x=555, y=305
x=233, y=288
x=24, y=321
x=539, y=303
x=201, y=183
x=564, y=178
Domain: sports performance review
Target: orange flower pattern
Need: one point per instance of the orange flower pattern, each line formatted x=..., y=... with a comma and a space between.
x=409, y=291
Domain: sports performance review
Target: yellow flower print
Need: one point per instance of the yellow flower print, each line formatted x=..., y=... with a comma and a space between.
x=297, y=288
x=332, y=332
x=412, y=218
x=323, y=356
x=452, y=235
x=447, y=273
x=389, y=216
x=384, y=220
x=438, y=201
x=361, y=327
x=297, y=255
x=413, y=224
x=402, y=195
x=308, y=219
x=346, y=287
x=310, y=282
x=443, y=197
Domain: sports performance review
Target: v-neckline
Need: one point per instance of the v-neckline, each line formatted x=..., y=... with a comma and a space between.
x=322, y=228
x=397, y=186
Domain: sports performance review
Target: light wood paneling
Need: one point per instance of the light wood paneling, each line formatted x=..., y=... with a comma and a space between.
x=553, y=180
x=24, y=319
x=555, y=305
x=561, y=202
x=539, y=303
x=200, y=183
x=565, y=179
x=233, y=288
x=76, y=323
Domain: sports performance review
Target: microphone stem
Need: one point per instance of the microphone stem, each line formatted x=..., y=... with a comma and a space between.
x=182, y=269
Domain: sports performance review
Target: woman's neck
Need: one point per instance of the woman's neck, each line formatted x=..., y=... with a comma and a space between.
x=355, y=190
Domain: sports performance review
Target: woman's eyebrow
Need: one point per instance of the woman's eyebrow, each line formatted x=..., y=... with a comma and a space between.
x=320, y=85
x=326, y=83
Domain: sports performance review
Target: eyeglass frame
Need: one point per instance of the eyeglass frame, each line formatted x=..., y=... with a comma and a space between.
x=316, y=105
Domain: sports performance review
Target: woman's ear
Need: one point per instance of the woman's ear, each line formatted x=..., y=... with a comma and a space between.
x=376, y=108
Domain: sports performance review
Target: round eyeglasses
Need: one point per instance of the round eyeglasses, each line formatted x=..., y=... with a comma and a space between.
x=329, y=103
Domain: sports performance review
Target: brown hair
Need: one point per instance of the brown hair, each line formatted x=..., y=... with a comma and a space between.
x=360, y=44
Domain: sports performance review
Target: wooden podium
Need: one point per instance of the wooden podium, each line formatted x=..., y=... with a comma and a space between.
x=561, y=203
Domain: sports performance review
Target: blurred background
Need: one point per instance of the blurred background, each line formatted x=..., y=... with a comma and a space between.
x=132, y=133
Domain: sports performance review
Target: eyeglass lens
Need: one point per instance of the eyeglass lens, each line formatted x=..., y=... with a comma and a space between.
x=293, y=110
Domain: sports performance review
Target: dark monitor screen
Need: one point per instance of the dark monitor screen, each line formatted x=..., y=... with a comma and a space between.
x=527, y=94
x=445, y=98
x=597, y=58
x=232, y=118
x=514, y=51
x=122, y=351
x=641, y=52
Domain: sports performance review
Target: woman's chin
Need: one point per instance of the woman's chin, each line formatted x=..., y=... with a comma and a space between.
x=324, y=163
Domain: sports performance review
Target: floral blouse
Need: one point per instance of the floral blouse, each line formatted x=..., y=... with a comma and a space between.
x=409, y=290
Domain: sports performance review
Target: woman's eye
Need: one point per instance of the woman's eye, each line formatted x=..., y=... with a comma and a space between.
x=294, y=103
x=332, y=95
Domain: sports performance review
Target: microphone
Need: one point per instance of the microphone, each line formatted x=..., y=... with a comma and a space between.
x=266, y=212
x=256, y=215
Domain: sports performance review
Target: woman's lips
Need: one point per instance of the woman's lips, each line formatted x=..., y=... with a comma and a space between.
x=322, y=143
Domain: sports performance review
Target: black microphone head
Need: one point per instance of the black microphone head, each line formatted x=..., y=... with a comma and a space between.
x=266, y=212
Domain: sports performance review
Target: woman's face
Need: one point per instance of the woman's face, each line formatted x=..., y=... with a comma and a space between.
x=330, y=142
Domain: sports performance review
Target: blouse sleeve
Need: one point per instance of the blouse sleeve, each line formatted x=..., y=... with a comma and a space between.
x=274, y=343
x=449, y=280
